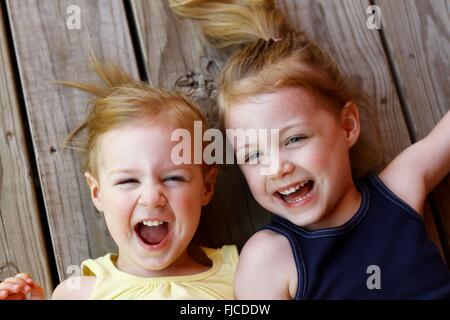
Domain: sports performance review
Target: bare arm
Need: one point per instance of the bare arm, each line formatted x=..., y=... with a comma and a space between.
x=420, y=168
x=266, y=268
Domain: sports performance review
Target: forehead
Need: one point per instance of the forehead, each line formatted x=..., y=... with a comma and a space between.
x=134, y=145
x=277, y=110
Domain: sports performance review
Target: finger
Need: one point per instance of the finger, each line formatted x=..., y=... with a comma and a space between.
x=25, y=276
x=16, y=296
x=15, y=285
x=9, y=279
x=3, y=294
x=37, y=293
x=17, y=281
x=2, y=285
x=8, y=288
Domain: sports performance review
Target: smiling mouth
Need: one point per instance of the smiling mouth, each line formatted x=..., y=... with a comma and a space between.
x=297, y=193
x=152, y=232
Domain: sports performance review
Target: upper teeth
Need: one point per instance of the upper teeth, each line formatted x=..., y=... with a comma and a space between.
x=293, y=189
x=153, y=223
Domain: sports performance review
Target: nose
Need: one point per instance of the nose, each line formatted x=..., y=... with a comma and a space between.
x=284, y=168
x=152, y=198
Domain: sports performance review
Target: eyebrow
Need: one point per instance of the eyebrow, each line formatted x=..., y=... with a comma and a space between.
x=297, y=124
x=125, y=170
x=182, y=166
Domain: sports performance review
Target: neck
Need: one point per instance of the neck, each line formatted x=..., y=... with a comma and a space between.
x=183, y=265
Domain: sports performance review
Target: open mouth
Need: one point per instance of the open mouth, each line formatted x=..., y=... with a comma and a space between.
x=152, y=232
x=298, y=193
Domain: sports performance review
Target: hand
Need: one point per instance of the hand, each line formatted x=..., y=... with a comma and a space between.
x=18, y=288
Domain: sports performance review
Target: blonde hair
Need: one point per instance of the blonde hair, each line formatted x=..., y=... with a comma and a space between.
x=270, y=55
x=123, y=100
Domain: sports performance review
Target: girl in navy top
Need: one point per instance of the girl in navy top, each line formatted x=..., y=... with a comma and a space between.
x=333, y=236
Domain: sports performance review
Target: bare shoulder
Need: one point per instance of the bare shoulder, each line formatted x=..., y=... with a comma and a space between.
x=266, y=268
x=75, y=288
x=405, y=179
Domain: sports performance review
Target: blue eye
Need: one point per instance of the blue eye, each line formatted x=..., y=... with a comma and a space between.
x=294, y=139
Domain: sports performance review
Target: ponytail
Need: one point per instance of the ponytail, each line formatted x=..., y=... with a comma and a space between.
x=234, y=22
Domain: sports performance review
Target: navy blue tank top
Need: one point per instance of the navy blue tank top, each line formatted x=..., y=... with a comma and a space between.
x=382, y=252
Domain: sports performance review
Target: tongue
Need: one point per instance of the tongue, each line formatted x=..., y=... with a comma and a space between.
x=303, y=191
x=153, y=235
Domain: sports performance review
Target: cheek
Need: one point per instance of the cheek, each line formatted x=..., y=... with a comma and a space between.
x=186, y=206
x=187, y=201
x=254, y=179
x=327, y=152
x=319, y=159
x=118, y=207
x=332, y=157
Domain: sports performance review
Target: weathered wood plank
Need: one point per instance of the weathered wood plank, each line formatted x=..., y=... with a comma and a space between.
x=47, y=51
x=177, y=56
x=417, y=35
x=22, y=244
x=341, y=28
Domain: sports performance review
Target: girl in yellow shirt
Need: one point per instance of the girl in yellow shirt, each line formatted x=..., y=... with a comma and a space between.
x=151, y=204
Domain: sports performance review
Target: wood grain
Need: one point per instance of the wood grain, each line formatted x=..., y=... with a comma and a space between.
x=47, y=51
x=22, y=244
x=417, y=35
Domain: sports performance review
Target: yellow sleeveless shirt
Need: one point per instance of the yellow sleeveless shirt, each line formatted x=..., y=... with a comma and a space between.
x=215, y=283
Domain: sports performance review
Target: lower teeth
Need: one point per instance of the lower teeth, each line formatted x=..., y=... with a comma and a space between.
x=301, y=198
x=298, y=199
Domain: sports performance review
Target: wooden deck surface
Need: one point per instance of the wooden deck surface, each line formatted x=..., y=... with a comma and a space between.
x=47, y=221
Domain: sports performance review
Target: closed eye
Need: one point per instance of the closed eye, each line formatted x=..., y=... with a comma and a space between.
x=175, y=178
x=126, y=181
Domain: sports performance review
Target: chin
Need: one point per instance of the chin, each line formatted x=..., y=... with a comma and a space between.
x=302, y=221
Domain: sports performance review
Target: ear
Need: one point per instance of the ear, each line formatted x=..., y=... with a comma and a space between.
x=209, y=183
x=350, y=123
x=94, y=185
